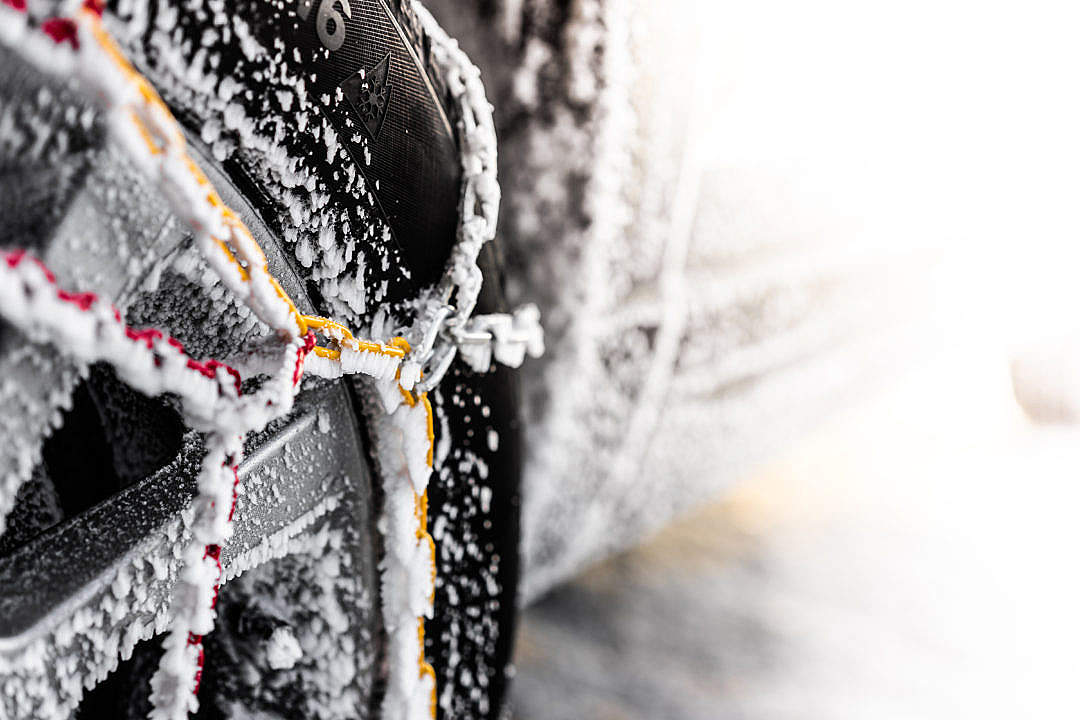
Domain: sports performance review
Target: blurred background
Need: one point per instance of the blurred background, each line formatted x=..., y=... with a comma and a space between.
x=804, y=443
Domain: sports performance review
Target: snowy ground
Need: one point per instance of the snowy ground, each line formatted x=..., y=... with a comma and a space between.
x=913, y=558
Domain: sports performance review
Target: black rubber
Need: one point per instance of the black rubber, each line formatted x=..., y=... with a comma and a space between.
x=392, y=93
x=392, y=97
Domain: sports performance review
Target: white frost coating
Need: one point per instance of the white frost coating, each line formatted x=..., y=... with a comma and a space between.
x=161, y=157
x=352, y=362
x=507, y=337
x=590, y=122
x=479, y=206
x=174, y=685
x=39, y=402
x=103, y=630
x=407, y=571
x=92, y=331
x=151, y=364
x=282, y=649
x=412, y=422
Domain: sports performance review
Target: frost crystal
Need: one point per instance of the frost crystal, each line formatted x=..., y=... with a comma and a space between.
x=232, y=269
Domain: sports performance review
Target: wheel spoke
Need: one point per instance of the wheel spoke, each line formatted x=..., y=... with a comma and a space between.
x=100, y=581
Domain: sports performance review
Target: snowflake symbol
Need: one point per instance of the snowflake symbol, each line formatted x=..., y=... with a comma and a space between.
x=369, y=94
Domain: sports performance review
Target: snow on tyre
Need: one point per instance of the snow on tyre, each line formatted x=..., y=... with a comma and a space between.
x=259, y=451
